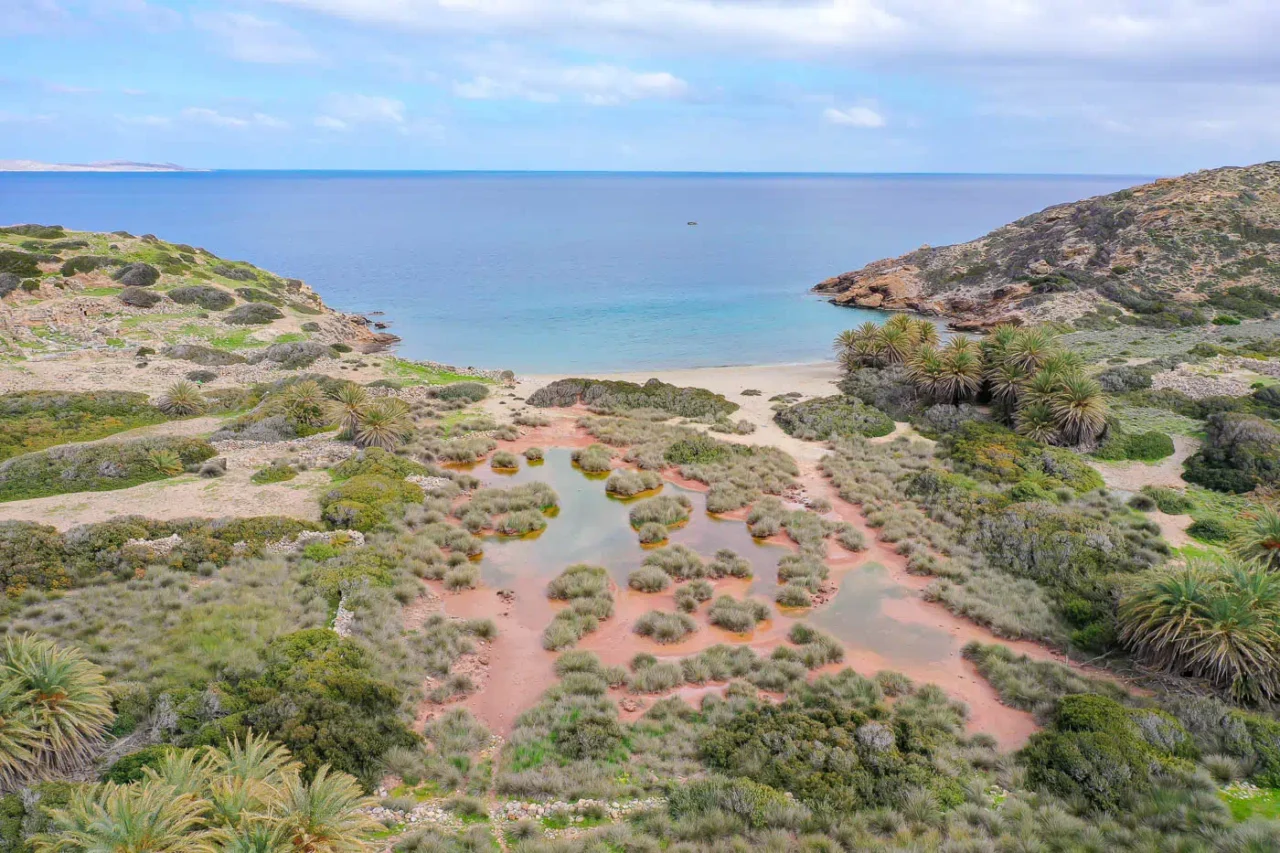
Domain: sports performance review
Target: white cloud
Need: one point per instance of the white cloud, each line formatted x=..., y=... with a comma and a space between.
x=340, y=111
x=854, y=117
x=249, y=38
x=145, y=120
x=1225, y=34
x=598, y=85
x=204, y=115
x=331, y=123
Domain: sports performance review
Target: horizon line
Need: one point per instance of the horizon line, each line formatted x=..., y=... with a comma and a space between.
x=638, y=172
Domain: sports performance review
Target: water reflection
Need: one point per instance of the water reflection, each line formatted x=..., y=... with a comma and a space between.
x=593, y=527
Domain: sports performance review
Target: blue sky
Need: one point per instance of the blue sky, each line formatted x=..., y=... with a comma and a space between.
x=1098, y=86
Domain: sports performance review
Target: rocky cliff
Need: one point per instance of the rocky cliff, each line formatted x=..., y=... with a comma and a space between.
x=1179, y=251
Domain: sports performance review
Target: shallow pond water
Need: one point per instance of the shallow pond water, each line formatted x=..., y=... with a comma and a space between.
x=877, y=614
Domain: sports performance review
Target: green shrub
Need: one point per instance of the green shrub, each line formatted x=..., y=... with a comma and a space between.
x=137, y=275
x=1212, y=530
x=594, y=458
x=132, y=767
x=652, y=533
x=667, y=510
x=1240, y=452
x=690, y=595
x=615, y=396
x=471, y=392
x=737, y=616
x=586, y=588
x=95, y=467
x=627, y=483
x=18, y=263
x=649, y=579
x=663, y=627
x=253, y=314
x=677, y=561
x=504, y=461
x=533, y=454
x=366, y=501
x=728, y=564
x=40, y=232
x=276, y=472
x=88, y=263
x=206, y=296
x=31, y=557
x=994, y=453
x=697, y=449
x=755, y=804
x=1169, y=501
x=1145, y=447
x=35, y=420
x=822, y=418
x=137, y=297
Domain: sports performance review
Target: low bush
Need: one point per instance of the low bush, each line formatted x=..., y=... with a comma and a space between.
x=692, y=594
x=677, y=561
x=1212, y=530
x=738, y=616
x=367, y=501
x=96, y=467
x=996, y=454
x=276, y=472
x=205, y=296
x=533, y=454
x=586, y=589
x=667, y=510
x=253, y=314
x=594, y=458
x=1144, y=446
x=137, y=275
x=649, y=579
x=35, y=420
x=728, y=564
x=615, y=396
x=653, y=533
x=824, y=417
x=136, y=297
x=471, y=392
x=202, y=355
x=1169, y=500
x=87, y=263
x=1240, y=453
x=504, y=461
x=663, y=627
x=627, y=483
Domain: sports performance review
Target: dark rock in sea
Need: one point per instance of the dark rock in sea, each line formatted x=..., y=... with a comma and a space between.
x=137, y=275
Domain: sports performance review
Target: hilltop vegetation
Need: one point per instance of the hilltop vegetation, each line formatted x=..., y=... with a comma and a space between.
x=1177, y=252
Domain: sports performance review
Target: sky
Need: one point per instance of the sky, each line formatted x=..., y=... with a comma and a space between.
x=1041, y=86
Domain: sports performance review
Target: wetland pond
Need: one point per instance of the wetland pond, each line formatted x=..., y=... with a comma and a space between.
x=881, y=622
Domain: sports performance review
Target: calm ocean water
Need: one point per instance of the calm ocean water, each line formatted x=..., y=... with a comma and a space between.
x=560, y=272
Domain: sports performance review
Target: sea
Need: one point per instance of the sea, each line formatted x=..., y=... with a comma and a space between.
x=560, y=272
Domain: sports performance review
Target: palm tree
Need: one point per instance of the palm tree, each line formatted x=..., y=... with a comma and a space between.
x=924, y=332
x=385, y=424
x=254, y=758
x=1037, y=422
x=1006, y=379
x=1061, y=363
x=1080, y=409
x=323, y=816
x=19, y=738
x=1030, y=347
x=181, y=400
x=1219, y=621
x=997, y=342
x=349, y=404
x=962, y=370
x=304, y=404
x=925, y=369
x=1261, y=540
x=1041, y=388
x=895, y=341
x=66, y=697
x=845, y=341
x=146, y=818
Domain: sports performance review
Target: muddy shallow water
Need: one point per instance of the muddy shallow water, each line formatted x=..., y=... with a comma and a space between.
x=878, y=613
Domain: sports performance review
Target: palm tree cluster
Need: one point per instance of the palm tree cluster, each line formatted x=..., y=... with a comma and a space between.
x=1218, y=620
x=383, y=423
x=1039, y=387
x=54, y=710
x=247, y=798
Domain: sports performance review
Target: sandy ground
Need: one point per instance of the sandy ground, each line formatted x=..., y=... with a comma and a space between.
x=811, y=380
x=1132, y=476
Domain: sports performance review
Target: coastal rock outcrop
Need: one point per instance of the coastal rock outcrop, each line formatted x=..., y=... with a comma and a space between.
x=1168, y=253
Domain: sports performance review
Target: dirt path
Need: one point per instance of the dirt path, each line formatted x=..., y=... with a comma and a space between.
x=1132, y=476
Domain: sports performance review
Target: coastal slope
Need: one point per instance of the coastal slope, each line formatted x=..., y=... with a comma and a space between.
x=1169, y=253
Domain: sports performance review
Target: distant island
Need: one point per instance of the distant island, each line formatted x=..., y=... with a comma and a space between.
x=100, y=166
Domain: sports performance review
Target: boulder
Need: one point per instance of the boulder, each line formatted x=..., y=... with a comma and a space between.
x=873, y=300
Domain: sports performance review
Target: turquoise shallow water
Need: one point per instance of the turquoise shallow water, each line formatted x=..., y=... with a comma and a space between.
x=543, y=272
